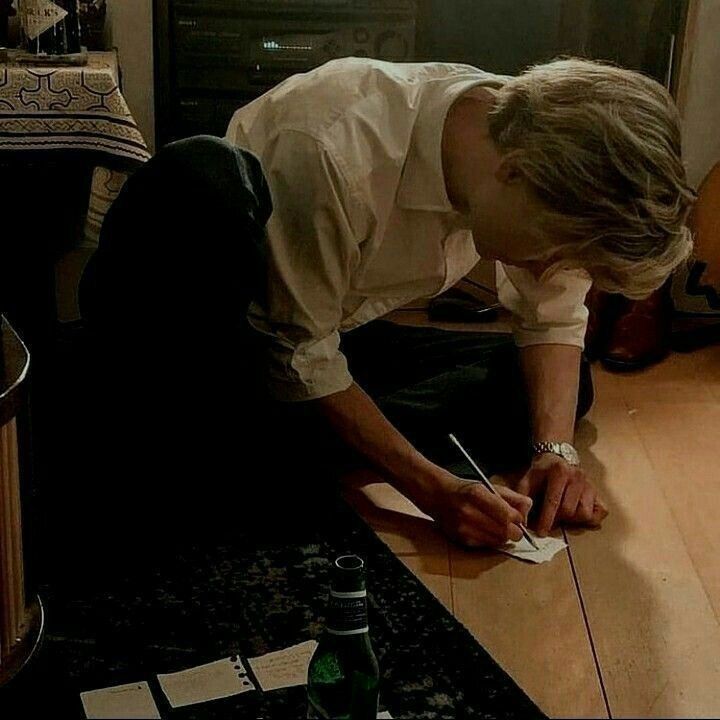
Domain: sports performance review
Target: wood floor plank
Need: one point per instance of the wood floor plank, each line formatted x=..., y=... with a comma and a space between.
x=529, y=619
x=680, y=430
x=655, y=633
x=434, y=572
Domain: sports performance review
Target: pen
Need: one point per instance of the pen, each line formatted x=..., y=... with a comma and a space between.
x=489, y=486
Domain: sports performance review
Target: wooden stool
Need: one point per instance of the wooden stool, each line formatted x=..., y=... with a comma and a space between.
x=21, y=618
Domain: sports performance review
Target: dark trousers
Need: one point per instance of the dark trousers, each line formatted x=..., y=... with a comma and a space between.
x=180, y=424
x=432, y=382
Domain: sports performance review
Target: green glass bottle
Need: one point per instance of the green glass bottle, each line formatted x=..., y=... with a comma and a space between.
x=343, y=676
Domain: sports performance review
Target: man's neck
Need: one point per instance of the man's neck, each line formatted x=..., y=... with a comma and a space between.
x=468, y=152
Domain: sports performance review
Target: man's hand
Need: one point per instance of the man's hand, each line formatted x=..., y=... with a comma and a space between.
x=568, y=495
x=464, y=510
x=473, y=516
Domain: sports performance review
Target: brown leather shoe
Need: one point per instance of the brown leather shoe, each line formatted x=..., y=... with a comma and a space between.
x=641, y=335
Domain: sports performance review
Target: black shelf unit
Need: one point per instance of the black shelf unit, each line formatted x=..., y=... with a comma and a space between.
x=213, y=56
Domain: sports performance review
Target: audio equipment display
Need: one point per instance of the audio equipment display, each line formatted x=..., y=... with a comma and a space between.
x=250, y=54
x=391, y=6
x=213, y=56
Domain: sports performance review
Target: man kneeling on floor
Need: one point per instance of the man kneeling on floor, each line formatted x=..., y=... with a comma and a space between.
x=387, y=182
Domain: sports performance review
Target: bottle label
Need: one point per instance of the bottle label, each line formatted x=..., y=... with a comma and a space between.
x=37, y=16
x=347, y=613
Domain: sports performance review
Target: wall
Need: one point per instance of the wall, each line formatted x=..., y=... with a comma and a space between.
x=129, y=28
x=701, y=102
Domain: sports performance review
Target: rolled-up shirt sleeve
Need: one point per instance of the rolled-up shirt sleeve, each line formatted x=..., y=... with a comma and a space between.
x=549, y=312
x=312, y=248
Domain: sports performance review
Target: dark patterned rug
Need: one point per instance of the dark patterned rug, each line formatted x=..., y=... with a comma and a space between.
x=236, y=596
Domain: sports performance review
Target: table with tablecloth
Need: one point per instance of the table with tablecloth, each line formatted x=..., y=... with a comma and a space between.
x=68, y=123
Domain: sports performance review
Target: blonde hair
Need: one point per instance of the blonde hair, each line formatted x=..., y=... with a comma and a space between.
x=600, y=146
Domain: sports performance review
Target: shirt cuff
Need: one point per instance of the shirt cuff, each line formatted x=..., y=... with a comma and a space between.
x=289, y=391
x=571, y=334
x=312, y=371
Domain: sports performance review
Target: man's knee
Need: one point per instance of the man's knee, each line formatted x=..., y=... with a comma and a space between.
x=202, y=161
x=197, y=148
x=231, y=175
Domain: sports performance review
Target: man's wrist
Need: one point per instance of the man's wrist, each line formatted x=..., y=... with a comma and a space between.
x=564, y=450
x=422, y=483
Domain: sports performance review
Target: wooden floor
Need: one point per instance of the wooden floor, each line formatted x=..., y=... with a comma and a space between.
x=626, y=622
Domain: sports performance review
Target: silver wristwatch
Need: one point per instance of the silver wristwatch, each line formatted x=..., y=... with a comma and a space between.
x=565, y=450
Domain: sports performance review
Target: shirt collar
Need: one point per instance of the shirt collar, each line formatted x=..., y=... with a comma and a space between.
x=422, y=182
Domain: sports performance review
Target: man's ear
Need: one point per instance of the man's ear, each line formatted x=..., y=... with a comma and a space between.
x=508, y=171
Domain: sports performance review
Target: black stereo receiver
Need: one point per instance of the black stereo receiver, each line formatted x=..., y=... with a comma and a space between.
x=265, y=6
x=252, y=54
x=214, y=56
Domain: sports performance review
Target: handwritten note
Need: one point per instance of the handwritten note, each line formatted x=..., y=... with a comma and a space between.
x=206, y=682
x=122, y=701
x=283, y=668
x=523, y=550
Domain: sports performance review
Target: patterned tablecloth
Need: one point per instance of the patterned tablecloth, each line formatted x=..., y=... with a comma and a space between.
x=46, y=108
x=78, y=110
x=69, y=108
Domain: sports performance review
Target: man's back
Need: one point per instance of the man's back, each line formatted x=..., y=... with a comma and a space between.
x=361, y=90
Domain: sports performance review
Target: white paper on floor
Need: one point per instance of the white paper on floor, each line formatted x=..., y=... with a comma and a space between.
x=384, y=716
x=212, y=681
x=122, y=701
x=549, y=547
x=283, y=668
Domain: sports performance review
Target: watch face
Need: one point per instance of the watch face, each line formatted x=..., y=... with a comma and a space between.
x=569, y=453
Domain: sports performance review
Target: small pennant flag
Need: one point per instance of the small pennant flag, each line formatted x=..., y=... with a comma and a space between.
x=37, y=16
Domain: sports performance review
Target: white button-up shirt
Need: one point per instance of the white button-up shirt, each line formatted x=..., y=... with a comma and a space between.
x=362, y=223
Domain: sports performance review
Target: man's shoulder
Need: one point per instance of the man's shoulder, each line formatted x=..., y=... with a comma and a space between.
x=347, y=89
x=361, y=113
